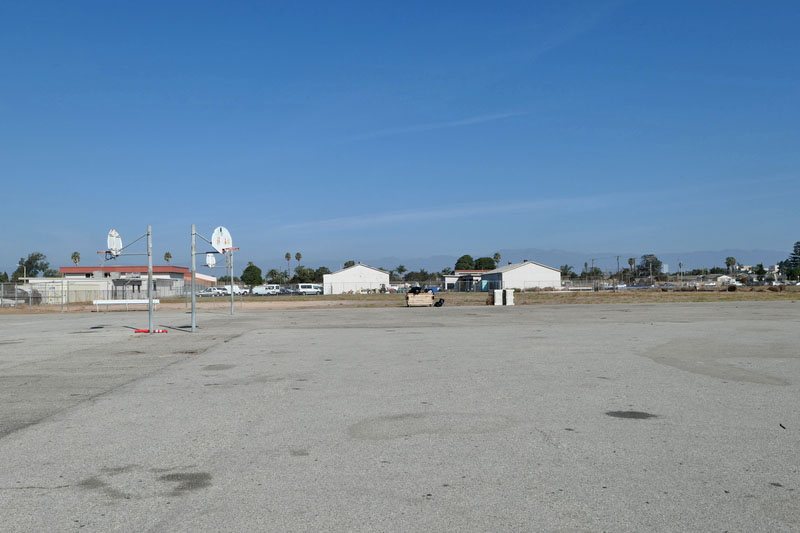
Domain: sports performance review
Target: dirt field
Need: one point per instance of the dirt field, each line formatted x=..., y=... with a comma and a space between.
x=454, y=299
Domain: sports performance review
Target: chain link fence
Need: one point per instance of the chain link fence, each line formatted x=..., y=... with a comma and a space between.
x=64, y=293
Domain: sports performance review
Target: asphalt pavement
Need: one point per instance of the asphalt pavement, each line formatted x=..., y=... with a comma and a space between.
x=649, y=417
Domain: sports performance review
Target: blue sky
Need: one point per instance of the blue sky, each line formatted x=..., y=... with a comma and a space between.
x=372, y=129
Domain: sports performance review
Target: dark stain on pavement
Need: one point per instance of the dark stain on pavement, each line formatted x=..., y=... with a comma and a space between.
x=218, y=367
x=635, y=415
x=95, y=483
x=408, y=424
x=118, y=469
x=187, y=481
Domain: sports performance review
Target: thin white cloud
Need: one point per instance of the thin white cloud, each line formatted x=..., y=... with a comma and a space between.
x=471, y=121
x=452, y=212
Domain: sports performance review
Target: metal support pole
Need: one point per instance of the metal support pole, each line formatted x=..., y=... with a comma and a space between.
x=194, y=269
x=231, y=277
x=150, y=277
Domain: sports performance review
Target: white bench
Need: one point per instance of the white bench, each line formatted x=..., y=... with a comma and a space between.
x=126, y=303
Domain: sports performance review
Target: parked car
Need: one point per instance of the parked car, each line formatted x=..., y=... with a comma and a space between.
x=266, y=290
x=287, y=290
x=211, y=291
x=308, y=288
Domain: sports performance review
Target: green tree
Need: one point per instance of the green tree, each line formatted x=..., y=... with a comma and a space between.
x=50, y=273
x=497, y=257
x=649, y=265
x=251, y=275
x=348, y=264
x=446, y=271
x=288, y=258
x=76, y=258
x=168, y=257
x=730, y=262
x=794, y=257
x=465, y=262
x=321, y=271
x=420, y=276
x=485, y=263
x=760, y=271
x=275, y=276
x=401, y=269
x=716, y=270
x=303, y=275
x=3, y=277
x=35, y=264
x=592, y=273
x=566, y=271
x=298, y=256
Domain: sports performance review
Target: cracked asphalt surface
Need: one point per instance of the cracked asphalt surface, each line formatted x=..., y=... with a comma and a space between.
x=649, y=417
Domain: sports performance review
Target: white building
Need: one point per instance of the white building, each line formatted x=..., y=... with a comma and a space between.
x=355, y=279
x=525, y=275
x=464, y=280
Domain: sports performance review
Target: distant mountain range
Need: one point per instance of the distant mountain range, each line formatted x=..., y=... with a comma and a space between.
x=604, y=260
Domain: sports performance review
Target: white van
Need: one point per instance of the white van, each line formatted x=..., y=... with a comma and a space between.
x=267, y=290
x=236, y=290
x=308, y=288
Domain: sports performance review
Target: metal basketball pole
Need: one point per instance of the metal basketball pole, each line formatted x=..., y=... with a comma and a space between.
x=194, y=269
x=231, y=276
x=150, y=277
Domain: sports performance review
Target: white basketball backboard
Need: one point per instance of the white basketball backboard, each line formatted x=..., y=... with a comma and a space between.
x=211, y=260
x=114, y=243
x=221, y=239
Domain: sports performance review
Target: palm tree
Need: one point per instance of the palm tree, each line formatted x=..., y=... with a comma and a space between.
x=497, y=258
x=272, y=275
x=632, y=263
x=400, y=271
x=566, y=270
x=168, y=257
x=298, y=256
x=288, y=258
x=76, y=258
x=730, y=262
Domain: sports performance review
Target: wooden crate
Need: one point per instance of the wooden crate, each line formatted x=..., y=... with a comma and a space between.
x=423, y=299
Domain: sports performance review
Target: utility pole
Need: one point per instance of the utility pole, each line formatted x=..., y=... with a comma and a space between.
x=618, y=279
